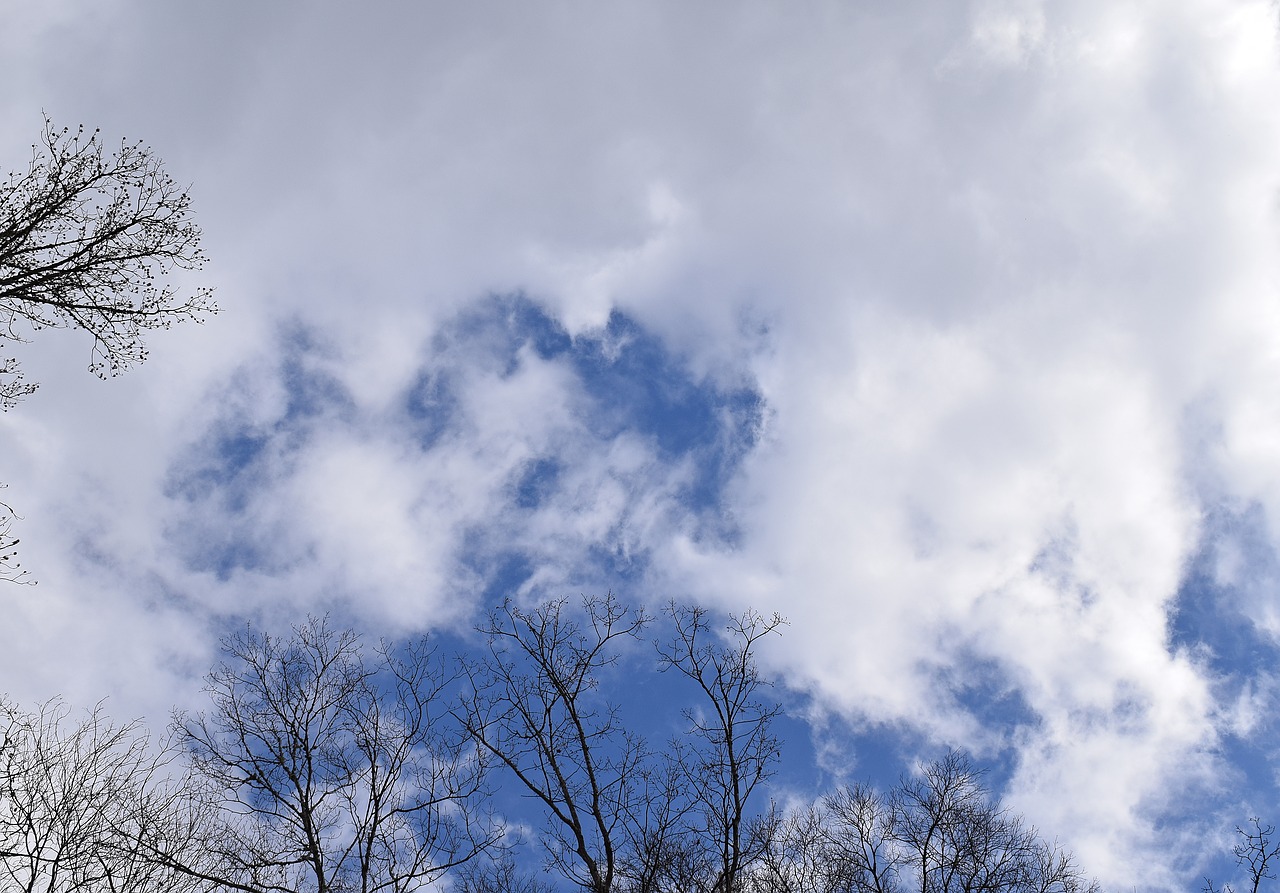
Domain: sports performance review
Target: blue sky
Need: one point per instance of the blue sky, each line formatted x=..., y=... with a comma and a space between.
x=947, y=330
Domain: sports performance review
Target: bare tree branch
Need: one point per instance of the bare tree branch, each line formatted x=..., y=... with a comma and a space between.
x=11, y=570
x=936, y=832
x=731, y=749
x=336, y=773
x=87, y=238
x=1257, y=852
x=77, y=799
x=533, y=704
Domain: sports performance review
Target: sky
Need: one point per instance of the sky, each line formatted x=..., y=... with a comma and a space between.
x=948, y=330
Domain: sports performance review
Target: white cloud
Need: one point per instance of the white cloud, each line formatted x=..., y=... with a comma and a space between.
x=985, y=262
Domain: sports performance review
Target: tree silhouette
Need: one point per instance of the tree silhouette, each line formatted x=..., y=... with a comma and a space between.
x=731, y=750
x=534, y=705
x=87, y=806
x=335, y=772
x=87, y=237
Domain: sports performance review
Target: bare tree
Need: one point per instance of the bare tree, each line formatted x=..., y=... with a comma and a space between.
x=11, y=569
x=843, y=843
x=1257, y=851
x=798, y=857
x=336, y=773
x=78, y=799
x=87, y=239
x=956, y=840
x=499, y=874
x=936, y=832
x=534, y=705
x=731, y=749
x=87, y=236
x=661, y=855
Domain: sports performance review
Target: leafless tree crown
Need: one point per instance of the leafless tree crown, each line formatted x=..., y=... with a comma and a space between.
x=337, y=773
x=1256, y=851
x=325, y=767
x=533, y=703
x=939, y=831
x=77, y=802
x=731, y=750
x=87, y=238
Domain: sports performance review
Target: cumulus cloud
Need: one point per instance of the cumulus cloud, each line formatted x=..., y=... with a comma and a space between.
x=948, y=330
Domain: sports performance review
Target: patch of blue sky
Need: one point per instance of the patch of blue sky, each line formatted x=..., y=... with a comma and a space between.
x=431, y=406
x=238, y=459
x=492, y=332
x=980, y=687
x=639, y=386
x=633, y=383
x=630, y=384
x=1211, y=620
x=225, y=457
x=502, y=573
x=310, y=389
x=838, y=751
x=1210, y=612
x=538, y=479
x=624, y=382
x=226, y=470
x=229, y=458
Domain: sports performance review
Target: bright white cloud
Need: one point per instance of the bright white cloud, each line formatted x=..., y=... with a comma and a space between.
x=1004, y=273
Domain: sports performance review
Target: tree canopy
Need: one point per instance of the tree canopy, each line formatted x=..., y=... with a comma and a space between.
x=88, y=237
